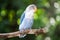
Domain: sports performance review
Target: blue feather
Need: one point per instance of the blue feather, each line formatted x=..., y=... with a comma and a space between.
x=22, y=17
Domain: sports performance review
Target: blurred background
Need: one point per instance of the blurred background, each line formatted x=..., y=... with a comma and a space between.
x=47, y=15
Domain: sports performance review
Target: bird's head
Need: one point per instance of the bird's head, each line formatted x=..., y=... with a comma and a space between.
x=31, y=8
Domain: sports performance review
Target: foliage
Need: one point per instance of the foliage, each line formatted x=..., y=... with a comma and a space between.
x=11, y=10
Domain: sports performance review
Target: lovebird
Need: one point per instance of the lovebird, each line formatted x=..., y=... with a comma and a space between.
x=27, y=19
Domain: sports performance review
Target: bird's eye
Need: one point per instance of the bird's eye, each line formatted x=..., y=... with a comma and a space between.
x=32, y=7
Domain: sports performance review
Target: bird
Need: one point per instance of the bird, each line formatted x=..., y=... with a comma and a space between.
x=27, y=19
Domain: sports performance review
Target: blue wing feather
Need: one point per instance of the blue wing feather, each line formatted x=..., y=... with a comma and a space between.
x=22, y=17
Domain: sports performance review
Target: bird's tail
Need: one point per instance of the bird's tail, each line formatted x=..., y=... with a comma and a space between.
x=22, y=35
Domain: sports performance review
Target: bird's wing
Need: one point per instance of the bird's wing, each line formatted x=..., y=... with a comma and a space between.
x=22, y=17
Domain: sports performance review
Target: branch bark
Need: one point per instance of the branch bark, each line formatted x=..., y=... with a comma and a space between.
x=17, y=33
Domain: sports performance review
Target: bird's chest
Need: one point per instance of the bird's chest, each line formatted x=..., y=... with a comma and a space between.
x=27, y=20
x=27, y=23
x=29, y=15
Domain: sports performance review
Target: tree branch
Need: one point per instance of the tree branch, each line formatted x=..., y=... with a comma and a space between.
x=17, y=33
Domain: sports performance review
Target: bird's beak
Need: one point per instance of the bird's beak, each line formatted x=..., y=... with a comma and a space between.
x=35, y=9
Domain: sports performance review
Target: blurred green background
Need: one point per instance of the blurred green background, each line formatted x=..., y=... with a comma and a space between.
x=48, y=14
